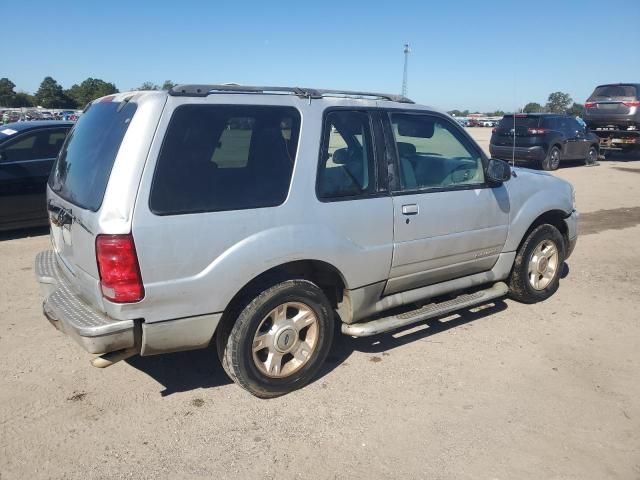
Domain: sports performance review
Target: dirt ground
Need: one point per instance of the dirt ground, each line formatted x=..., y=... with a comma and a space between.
x=510, y=391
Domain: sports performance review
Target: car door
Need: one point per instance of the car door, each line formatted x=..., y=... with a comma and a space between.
x=448, y=223
x=570, y=136
x=352, y=190
x=579, y=143
x=25, y=164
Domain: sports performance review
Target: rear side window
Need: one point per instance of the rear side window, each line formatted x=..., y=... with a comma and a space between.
x=218, y=157
x=614, y=92
x=347, y=164
x=84, y=165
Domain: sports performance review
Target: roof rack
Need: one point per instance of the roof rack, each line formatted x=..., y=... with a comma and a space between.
x=206, y=90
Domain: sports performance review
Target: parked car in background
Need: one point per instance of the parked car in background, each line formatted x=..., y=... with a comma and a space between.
x=27, y=153
x=183, y=214
x=615, y=106
x=544, y=139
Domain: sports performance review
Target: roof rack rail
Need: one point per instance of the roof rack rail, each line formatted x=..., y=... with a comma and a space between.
x=205, y=90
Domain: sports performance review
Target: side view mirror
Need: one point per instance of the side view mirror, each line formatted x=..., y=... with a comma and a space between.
x=498, y=172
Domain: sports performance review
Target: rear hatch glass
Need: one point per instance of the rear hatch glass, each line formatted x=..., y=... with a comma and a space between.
x=614, y=92
x=504, y=132
x=83, y=167
x=522, y=124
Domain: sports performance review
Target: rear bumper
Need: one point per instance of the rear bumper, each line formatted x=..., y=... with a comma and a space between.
x=605, y=120
x=521, y=153
x=93, y=330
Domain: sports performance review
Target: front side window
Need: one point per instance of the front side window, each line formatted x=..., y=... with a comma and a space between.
x=218, y=157
x=21, y=149
x=347, y=166
x=433, y=154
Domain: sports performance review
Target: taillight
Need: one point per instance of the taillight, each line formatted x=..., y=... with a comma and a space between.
x=494, y=130
x=590, y=105
x=536, y=131
x=120, y=278
x=632, y=103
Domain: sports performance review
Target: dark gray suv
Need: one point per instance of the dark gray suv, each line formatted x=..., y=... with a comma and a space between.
x=544, y=139
x=616, y=106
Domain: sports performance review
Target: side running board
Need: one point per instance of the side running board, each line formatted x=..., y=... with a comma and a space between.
x=373, y=327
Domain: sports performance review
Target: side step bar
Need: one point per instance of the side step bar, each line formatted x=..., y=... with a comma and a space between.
x=373, y=327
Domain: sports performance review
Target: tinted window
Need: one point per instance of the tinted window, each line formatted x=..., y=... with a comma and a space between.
x=524, y=121
x=218, y=157
x=40, y=145
x=614, y=91
x=550, y=123
x=347, y=166
x=84, y=165
x=434, y=154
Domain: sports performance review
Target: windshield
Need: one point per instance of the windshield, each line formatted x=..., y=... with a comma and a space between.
x=84, y=164
x=614, y=91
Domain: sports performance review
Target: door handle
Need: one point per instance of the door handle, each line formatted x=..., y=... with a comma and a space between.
x=411, y=209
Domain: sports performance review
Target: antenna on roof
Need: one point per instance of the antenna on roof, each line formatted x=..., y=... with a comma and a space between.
x=405, y=75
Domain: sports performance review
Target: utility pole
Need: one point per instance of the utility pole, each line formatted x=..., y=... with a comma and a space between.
x=406, y=69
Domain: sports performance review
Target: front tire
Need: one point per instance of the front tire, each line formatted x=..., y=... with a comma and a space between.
x=280, y=339
x=535, y=275
x=552, y=160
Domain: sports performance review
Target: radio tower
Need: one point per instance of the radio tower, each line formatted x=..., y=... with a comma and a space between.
x=406, y=69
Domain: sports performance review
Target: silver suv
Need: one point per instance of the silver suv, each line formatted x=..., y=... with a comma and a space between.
x=261, y=218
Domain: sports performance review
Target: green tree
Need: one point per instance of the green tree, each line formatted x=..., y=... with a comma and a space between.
x=532, y=107
x=558, y=102
x=168, y=85
x=497, y=113
x=148, y=86
x=22, y=99
x=576, y=110
x=6, y=92
x=51, y=95
x=89, y=90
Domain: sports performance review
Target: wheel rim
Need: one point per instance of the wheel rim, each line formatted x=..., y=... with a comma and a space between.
x=555, y=158
x=543, y=264
x=593, y=155
x=285, y=339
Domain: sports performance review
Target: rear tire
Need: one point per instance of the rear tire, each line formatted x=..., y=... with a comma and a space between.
x=535, y=275
x=552, y=160
x=280, y=339
x=592, y=156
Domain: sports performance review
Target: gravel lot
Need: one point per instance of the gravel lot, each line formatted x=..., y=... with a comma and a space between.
x=506, y=392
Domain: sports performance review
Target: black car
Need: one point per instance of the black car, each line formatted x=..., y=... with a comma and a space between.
x=543, y=138
x=615, y=106
x=27, y=153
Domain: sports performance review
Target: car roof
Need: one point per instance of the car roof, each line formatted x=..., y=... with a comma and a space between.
x=19, y=127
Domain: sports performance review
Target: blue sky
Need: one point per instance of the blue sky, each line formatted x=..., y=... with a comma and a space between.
x=478, y=54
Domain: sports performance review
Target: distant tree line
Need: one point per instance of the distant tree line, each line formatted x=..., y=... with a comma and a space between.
x=50, y=94
x=557, y=102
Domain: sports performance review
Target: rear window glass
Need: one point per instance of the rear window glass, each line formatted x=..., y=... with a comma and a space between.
x=84, y=165
x=217, y=157
x=521, y=121
x=614, y=91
